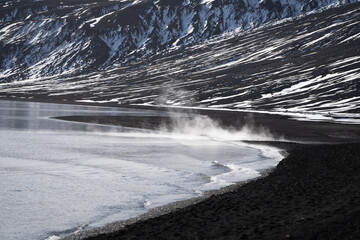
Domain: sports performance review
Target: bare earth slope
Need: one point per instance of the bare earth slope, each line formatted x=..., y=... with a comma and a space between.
x=311, y=64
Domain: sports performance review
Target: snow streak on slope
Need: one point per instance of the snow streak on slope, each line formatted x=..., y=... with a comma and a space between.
x=48, y=37
x=308, y=65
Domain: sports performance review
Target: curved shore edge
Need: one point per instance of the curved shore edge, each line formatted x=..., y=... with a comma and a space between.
x=110, y=228
x=314, y=193
x=174, y=206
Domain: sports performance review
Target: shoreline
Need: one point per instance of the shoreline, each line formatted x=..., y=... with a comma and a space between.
x=158, y=211
x=301, y=198
x=296, y=116
x=280, y=126
x=172, y=207
x=161, y=224
x=313, y=193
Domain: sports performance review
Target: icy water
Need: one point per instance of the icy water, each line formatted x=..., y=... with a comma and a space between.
x=57, y=177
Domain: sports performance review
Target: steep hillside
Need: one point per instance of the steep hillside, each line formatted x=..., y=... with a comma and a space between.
x=70, y=37
x=309, y=65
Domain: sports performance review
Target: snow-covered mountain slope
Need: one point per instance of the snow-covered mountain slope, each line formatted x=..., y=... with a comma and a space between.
x=47, y=37
x=311, y=64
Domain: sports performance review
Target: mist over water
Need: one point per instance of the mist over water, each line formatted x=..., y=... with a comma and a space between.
x=204, y=126
x=58, y=177
x=193, y=124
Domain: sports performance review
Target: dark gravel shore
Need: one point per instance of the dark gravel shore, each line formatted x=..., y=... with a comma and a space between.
x=314, y=193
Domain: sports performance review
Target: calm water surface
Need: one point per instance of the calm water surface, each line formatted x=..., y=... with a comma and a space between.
x=57, y=177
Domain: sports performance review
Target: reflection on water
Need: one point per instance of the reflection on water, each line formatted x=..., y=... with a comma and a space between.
x=35, y=116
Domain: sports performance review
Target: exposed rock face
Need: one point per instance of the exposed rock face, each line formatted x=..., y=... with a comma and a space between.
x=71, y=37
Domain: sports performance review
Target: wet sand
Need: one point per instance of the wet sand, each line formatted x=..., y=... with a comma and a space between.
x=314, y=193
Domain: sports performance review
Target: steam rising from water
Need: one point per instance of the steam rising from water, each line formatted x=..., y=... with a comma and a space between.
x=204, y=126
x=195, y=125
x=98, y=174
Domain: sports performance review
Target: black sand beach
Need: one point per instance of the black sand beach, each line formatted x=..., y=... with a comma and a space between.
x=314, y=193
